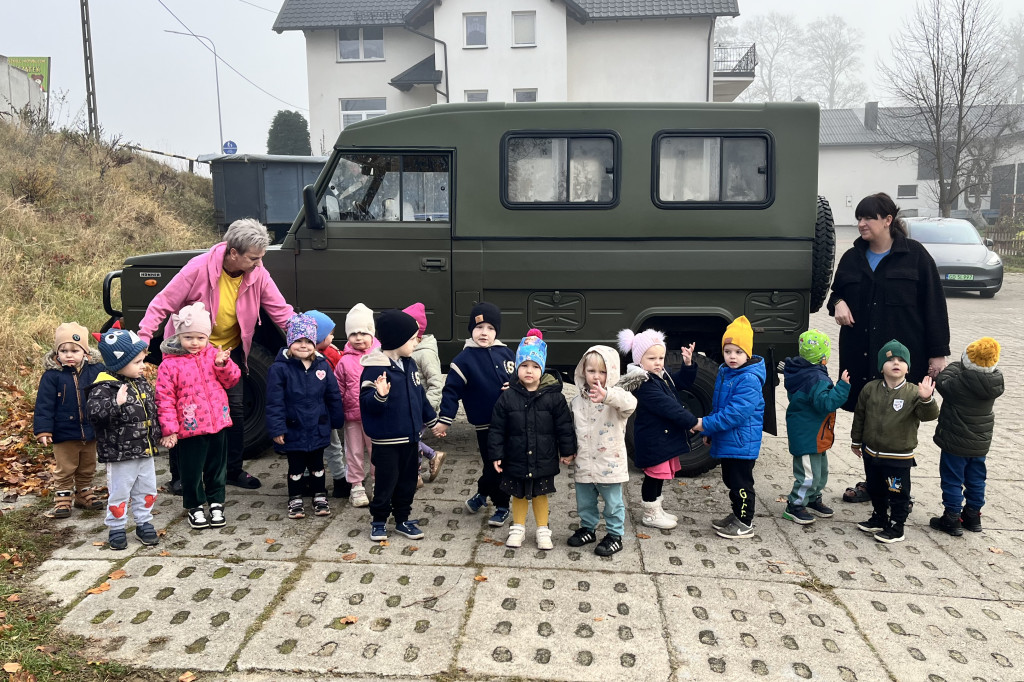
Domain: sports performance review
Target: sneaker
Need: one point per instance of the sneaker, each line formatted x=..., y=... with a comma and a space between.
x=358, y=497
x=797, y=514
x=582, y=536
x=723, y=523
x=544, y=538
x=499, y=517
x=610, y=544
x=61, y=506
x=320, y=506
x=295, y=510
x=409, y=529
x=893, y=533
x=435, y=465
x=819, y=508
x=516, y=533
x=873, y=525
x=476, y=503
x=217, y=519
x=736, y=530
x=378, y=531
x=419, y=482
x=117, y=539
x=197, y=518
x=244, y=480
x=342, y=488
x=147, y=534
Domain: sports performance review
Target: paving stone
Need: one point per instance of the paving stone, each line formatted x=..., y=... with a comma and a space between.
x=565, y=625
x=942, y=638
x=406, y=620
x=65, y=580
x=1002, y=510
x=744, y=629
x=177, y=612
x=88, y=529
x=995, y=556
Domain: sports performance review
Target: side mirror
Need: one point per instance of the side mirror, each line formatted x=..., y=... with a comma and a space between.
x=313, y=218
x=989, y=243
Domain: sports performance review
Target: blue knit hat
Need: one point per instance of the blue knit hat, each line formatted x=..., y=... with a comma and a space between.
x=301, y=326
x=532, y=348
x=119, y=347
x=324, y=325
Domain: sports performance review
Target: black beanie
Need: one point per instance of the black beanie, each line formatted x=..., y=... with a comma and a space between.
x=394, y=328
x=485, y=312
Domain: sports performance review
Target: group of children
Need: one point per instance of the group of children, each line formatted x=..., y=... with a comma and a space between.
x=385, y=389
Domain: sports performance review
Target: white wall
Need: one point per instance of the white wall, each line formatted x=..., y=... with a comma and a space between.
x=848, y=174
x=18, y=90
x=650, y=60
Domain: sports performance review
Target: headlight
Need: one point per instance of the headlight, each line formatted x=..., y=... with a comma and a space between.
x=993, y=259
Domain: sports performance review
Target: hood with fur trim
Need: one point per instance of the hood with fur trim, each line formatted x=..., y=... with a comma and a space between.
x=50, y=360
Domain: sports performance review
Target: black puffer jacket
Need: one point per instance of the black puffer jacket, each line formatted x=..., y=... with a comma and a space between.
x=530, y=431
x=123, y=432
x=966, y=418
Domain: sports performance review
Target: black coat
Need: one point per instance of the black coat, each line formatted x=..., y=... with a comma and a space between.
x=530, y=431
x=662, y=427
x=123, y=432
x=966, y=418
x=902, y=299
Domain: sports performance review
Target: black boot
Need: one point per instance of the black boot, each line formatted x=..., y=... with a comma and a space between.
x=949, y=523
x=342, y=488
x=971, y=519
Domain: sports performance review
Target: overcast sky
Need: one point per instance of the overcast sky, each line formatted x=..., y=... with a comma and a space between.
x=157, y=89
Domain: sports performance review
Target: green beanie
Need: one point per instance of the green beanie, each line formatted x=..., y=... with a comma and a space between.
x=893, y=349
x=814, y=346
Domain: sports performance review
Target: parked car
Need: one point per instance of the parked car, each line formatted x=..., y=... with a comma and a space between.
x=966, y=262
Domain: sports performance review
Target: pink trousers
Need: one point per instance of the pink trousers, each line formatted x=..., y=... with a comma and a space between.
x=357, y=446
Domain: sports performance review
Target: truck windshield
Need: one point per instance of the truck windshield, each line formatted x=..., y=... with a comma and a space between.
x=389, y=187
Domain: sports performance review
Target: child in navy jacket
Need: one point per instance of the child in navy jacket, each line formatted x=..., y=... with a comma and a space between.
x=394, y=408
x=303, y=407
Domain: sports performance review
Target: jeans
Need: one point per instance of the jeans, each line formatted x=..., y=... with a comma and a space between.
x=962, y=477
x=614, y=509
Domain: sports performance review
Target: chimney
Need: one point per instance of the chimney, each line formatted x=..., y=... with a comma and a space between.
x=871, y=116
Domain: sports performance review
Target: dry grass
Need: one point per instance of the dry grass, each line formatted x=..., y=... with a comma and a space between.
x=70, y=211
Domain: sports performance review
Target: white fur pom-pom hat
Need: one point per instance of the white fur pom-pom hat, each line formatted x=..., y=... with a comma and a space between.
x=638, y=344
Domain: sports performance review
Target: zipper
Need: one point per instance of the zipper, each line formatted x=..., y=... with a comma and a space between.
x=152, y=451
x=78, y=401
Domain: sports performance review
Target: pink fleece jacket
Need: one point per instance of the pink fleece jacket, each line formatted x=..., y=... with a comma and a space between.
x=191, y=398
x=348, y=373
x=199, y=281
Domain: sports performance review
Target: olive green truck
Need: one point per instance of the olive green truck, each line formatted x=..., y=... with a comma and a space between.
x=579, y=219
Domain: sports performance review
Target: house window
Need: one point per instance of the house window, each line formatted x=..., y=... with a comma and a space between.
x=360, y=44
x=566, y=171
x=906, y=191
x=524, y=29
x=525, y=95
x=476, y=29
x=403, y=187
x=694, y=170
x=476, y=95
x=355, y=110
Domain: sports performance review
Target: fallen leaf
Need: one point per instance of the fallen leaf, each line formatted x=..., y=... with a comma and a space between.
x=12, y=667
x=995, y=550
x=706, y=487
x=162, y=532
x=598, y=619
x=164, y=552
x=680, y=482
x=270, y=541
x=102, y=587
x=413, y=548
x=98, y=544
x=348, y=557
x=643, y=536
x=187, y=676
x=47, y=649
x=5, y=628
x=348, y=620
x=14, y=598
x=480, y=578
x=782, y=498
x=384, y=543
x=118, y=574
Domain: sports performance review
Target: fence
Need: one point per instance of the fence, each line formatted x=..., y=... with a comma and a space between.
x=1008, y=242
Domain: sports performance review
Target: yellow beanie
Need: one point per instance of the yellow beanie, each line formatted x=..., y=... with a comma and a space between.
x=984, y=352
x=739, y=333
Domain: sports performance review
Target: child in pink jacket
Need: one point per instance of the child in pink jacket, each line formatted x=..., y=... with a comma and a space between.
x=360, y=330
x=192, y=406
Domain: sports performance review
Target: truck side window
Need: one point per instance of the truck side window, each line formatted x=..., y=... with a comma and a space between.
x=567, y=171
x=389, y=188
x=695, y=169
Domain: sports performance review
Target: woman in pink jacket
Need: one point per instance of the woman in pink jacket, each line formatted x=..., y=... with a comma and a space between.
x=360, y=330
x=192, y=406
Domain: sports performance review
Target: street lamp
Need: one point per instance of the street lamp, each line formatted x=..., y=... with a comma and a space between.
x=216, y=76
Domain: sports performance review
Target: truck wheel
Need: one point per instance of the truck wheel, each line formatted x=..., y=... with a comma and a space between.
x=823, y=254
x=259, y=361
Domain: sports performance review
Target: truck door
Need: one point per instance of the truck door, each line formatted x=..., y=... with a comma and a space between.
x=387, y=242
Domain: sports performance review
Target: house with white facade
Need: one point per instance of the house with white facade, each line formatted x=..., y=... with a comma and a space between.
x=365, y=58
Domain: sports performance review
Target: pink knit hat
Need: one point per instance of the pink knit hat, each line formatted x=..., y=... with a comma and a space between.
x=419, y=313
x=192, y=318
x=637, y=344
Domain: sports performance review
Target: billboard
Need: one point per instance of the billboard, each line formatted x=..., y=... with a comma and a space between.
x=37, y=67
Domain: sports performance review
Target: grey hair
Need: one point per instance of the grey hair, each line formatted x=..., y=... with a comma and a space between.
x=247, y=234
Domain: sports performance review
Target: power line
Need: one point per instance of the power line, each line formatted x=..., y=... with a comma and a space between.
x=265, y=9
x=225, y=63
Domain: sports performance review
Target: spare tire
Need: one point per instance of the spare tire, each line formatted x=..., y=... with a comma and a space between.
x=254, y=408
x=822, y=255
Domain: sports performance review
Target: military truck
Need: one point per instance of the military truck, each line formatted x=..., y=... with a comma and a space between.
x=579, y=219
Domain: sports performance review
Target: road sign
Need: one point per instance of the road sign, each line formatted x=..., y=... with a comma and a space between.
x=230, y=147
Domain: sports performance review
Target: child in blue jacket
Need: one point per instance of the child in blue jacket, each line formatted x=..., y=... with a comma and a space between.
x=810, y=424
x=734, y=425
x=303, y=407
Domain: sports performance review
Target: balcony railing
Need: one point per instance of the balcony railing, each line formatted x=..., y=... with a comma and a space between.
x=737, y=61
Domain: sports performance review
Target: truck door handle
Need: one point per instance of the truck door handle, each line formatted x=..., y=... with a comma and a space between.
x=433, y=263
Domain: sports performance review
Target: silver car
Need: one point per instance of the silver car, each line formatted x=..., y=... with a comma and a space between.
x=965, y=260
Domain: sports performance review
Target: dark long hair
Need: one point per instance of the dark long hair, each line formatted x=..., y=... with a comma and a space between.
x=878, y=206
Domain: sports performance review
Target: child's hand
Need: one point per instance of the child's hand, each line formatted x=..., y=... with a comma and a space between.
x=279, y=439
x=122, y=395
x=567, y=460
x=699, y=427
x=169, y=441
x=504, y=386
x=382, y=385
x=497, y=465
x=45, y=440
x=856, y=450
x=439, y=430
x=688, y=354
x=597, y=393
x=845, y=376
x=223, y=355
x=707, y=441
x=925, y=388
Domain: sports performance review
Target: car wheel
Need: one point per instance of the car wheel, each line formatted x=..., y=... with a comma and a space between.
x=255, y=390
x=822, y=255
x=990, y=293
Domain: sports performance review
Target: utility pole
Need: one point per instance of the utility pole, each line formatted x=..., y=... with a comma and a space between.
x=90, y=81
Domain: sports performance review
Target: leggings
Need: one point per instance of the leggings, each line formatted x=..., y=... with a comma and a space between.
x=650, y=489
x=298, y=462
x=520, y=506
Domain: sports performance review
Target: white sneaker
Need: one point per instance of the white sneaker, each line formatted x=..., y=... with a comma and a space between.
x=358, y=497
x=516, y=533
x=655, y=517
x=544, y=538
x=661, y=501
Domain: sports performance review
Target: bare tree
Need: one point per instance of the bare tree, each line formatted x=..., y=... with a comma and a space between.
x=778, y=38
x=832, y=63
x=949, y=73
x=1013, y=44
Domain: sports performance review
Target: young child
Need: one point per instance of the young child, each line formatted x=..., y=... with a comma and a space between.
x=969, y=389
x=60, y=418
x=303, y=406
x=477, y=376
x=889, y=412
x=734, y=425
x=662, y=427
x=121, y=407
x=600, y=412
x=531, y=429
x=810, y=424
x=334, y=454
x=432, y=379
x=192, y=404
x=395, y=410
x=359, y=329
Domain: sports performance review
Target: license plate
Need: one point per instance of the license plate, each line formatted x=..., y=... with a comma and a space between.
x=959, y=277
